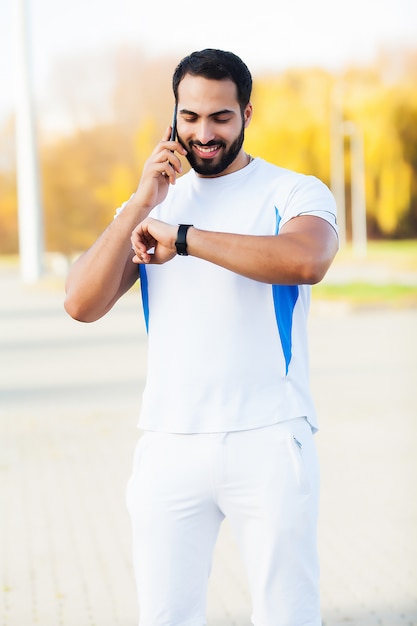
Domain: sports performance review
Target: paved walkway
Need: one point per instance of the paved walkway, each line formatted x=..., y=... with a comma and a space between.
x=69, y=398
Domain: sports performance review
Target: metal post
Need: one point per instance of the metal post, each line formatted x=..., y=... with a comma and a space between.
x=359, y=234
x=337, y=156
x=29, y=204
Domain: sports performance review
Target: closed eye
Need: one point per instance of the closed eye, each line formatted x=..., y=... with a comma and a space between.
x=222, y=120
x=219, y=117
x=190, y=118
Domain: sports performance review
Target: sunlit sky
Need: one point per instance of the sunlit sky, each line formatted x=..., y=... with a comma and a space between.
x=267, y=34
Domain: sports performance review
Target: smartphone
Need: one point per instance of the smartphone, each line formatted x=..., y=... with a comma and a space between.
x=174, y=125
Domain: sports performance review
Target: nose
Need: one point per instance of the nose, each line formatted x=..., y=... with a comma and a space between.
x=204, y=131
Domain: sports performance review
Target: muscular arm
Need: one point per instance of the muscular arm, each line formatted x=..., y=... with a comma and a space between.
x=300, y=254
x=105, y=272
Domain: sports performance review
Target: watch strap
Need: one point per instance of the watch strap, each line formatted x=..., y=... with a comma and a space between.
x=181, y=242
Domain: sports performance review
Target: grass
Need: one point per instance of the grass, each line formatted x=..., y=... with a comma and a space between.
x=385, y=276
x=398, y=255
x=368, y=294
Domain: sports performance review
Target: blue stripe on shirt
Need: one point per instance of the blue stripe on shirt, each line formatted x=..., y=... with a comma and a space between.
x=145, y=296
x=285, y=297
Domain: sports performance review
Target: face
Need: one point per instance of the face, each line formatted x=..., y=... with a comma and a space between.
x=211, y=125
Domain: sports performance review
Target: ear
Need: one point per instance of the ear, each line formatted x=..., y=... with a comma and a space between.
x=247, y=114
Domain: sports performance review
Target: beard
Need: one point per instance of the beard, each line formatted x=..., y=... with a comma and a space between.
x=204, y=167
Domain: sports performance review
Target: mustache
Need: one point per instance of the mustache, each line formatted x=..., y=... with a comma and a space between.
x=209, y=144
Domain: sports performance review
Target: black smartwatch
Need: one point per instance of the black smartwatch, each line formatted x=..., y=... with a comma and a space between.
x=181, y=243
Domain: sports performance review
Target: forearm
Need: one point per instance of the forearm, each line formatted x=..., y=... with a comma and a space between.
x=295, y=256
x=105, y=271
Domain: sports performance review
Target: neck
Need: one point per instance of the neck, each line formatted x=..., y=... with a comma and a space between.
x=241, y=161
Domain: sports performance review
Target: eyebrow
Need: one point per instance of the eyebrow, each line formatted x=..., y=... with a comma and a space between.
x=215, y=114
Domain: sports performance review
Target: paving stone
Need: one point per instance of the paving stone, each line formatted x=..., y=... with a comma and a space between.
x=69, y=401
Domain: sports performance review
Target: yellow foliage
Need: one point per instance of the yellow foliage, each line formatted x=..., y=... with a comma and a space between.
x=388, y=174
x=394, y=196
x=290, y=126
x=8, y=215
x=87, y=174
x=145, y=139
x=117, y=186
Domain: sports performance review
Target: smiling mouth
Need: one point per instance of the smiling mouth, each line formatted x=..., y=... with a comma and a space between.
x=206, y=152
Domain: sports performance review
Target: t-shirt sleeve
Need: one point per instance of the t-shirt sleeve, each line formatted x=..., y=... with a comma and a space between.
x=152, y=213
x=121, y=207
x=310, y=196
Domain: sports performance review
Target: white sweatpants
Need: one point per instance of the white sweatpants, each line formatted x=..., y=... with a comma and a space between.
x=265, y=481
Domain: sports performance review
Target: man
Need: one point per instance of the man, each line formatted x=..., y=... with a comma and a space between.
x=227, y=414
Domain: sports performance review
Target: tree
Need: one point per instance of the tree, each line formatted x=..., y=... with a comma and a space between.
x=95, y=163
x=8, y=193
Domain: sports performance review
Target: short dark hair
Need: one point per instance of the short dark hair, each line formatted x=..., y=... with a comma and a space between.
x=216, y=65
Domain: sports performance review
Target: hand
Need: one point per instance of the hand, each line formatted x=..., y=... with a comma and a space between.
x=153, y=242
x=159, y=171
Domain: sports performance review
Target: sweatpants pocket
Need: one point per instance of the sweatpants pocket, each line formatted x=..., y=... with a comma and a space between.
x=296, y=452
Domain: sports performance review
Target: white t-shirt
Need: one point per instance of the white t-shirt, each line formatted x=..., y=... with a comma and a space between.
x=226, y=352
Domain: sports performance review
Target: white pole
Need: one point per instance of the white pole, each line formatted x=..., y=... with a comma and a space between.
x=359, y=232
x=29, y=204
x=337, y=158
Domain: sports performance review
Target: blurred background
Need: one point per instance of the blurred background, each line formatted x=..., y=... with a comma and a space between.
x=85, y=95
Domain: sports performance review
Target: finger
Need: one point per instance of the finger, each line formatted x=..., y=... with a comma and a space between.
x=139, y=248
x=171, y=167
x=142, y=245
x=168, y=172
x=176, y=146
x=141, y=259
x=135, y=239
x=164, y=139
x=167, y=134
